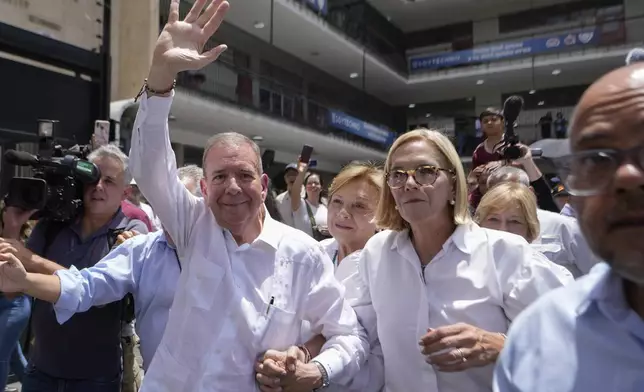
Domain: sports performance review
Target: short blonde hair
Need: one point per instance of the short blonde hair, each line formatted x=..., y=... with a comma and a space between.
x=510, y=194
x=387, y=216
x=358, y=171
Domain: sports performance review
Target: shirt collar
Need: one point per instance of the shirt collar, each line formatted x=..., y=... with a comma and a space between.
x=464, y=238
x=602, y=285
x=271, y=231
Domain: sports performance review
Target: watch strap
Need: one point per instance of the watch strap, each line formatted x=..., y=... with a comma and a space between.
x=325, y=376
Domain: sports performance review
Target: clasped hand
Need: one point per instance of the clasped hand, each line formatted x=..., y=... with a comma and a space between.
x=286, y=371
x=459, y=347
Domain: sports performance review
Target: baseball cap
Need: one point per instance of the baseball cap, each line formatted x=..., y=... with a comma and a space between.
x=291, y=166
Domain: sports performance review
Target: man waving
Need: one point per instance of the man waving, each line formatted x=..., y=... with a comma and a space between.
x=248, y=282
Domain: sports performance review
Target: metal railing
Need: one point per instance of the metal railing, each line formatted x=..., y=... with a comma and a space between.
x=224, y=81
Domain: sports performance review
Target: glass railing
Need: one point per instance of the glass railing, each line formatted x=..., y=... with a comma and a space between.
x=223, y=81
x=603, y=32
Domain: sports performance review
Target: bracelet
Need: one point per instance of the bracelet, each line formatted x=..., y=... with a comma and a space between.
x=146, y=89
x=307, y=353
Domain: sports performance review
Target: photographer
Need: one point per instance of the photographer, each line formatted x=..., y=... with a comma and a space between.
x=84, y=354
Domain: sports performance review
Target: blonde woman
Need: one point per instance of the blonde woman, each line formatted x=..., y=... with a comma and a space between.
x=441, y=291
x=353, y=197
x=510, y=207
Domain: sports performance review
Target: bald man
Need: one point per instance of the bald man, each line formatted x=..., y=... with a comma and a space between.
x=589, y=336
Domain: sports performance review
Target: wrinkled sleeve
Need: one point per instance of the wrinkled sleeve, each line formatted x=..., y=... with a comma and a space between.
x=525, y=274
x=578, y=248
x=108, y=281
x=153, y=166
x=371, y=376
x=326, y=308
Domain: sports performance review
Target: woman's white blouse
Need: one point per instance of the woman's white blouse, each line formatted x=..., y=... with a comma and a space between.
x=370, y=378
x=480, y=277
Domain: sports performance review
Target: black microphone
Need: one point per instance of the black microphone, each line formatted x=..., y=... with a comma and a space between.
x=20, y=158
x=512, y=108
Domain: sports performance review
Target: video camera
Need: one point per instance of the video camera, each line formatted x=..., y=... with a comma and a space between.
x=56, y=189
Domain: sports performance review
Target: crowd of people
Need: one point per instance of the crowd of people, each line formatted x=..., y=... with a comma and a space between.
x=410, y=276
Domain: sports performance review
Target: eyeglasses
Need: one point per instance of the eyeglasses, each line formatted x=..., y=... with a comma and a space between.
x=423, y=175
x=589, y=173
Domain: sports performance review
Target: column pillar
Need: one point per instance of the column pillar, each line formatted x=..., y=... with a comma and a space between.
x=135, y=28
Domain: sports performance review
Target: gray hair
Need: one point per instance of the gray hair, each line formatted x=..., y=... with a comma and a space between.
x=191, y=172
x=233, y=139
x=508, y=173
x=112, y=151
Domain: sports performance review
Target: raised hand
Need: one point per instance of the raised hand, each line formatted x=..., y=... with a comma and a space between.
x=180, y=46
x=12, y=274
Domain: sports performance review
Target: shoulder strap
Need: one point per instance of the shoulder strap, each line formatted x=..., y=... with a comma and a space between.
x=310, y=212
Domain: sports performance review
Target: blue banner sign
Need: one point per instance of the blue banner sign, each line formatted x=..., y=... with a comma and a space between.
x=360, y=128
x=318, y=5
x=505, y=50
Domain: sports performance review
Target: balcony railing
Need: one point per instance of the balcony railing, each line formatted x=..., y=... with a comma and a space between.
x=606, y=31
x=223, y=81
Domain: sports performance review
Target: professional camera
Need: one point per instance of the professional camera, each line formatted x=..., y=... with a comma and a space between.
x=56, y=189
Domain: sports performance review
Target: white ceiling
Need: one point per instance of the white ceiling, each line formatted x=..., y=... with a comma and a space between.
x=424, y=14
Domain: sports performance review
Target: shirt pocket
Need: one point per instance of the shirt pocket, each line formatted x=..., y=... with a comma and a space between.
x=281, y=328
x=203, y=283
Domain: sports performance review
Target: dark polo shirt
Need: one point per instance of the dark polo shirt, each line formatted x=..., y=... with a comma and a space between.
x=88, y=345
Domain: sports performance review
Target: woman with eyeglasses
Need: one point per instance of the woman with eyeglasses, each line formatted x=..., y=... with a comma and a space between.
x=441, y=291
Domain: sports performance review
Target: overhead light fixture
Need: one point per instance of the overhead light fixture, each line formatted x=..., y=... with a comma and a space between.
x=469, y=99
x=541, y=103
x=171, y=117
x=480, y=82
x=257, y=139
x=353, y=75
x=412, y=105
x=556, y=71
x=533, y=91
x=428, y=115
x=259, y=25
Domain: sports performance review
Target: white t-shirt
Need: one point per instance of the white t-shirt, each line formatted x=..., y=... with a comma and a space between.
x=301, y=219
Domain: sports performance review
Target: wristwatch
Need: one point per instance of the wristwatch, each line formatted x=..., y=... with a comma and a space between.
x=325, y=376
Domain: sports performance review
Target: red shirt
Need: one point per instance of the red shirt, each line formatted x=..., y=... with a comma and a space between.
x=481, y=157
x=134, y=212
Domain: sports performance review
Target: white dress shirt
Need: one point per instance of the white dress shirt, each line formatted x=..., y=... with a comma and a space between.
x=480, y=277
x=145, y=266
x=562, y=242
x=371, y=377
x=233, y=302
